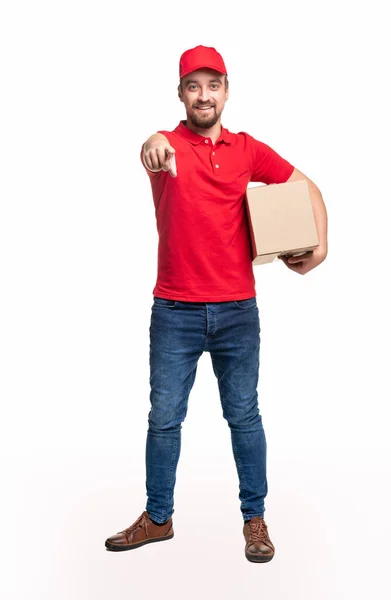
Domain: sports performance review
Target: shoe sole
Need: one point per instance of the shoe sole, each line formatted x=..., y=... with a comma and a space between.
x=115, y=548
x=258, y=559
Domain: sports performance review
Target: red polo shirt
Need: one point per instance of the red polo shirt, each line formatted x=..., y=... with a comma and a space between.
x=204, y=252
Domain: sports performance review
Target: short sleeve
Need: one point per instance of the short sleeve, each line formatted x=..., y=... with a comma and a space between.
x=268, y=166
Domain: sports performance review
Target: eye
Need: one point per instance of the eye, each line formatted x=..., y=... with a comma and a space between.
x=192, y=87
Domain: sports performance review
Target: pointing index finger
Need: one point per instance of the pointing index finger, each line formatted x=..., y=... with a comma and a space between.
x=172, y=169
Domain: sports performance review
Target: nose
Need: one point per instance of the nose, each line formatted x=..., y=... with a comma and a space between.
x=203, y=95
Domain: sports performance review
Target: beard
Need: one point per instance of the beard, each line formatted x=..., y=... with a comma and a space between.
x=204, y=122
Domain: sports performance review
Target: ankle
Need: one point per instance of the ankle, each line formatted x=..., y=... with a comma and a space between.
x=159, y=524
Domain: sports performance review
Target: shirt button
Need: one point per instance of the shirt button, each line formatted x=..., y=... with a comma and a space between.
x=217, y=166
x=213, y=153
x=206, y=141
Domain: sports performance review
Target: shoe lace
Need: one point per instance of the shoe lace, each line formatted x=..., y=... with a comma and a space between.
x=258, y=530
x=140, y=522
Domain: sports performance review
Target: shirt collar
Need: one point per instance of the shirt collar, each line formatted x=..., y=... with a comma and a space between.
x=195, y=138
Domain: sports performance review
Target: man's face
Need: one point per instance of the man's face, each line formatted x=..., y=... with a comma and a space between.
x=204, y=94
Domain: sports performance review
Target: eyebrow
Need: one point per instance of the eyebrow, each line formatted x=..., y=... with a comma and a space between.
x=196, y=81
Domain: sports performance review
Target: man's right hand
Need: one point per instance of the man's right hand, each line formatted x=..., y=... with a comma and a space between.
x=159, y=155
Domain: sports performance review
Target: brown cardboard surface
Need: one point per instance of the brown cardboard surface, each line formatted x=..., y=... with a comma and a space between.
x=281, y=220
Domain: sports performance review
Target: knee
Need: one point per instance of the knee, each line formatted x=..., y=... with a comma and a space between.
x=244, y=422
x=164, y=422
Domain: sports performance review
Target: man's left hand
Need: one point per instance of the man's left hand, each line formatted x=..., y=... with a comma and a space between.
x=306, y=262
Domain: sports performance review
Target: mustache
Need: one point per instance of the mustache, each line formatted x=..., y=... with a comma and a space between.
x=198, y=105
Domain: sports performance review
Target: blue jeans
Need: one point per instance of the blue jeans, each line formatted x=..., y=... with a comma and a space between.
x=179, y=333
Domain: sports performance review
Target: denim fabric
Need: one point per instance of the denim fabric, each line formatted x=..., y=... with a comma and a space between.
x=179, y=333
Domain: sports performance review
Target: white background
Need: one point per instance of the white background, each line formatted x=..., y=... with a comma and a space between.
x=83, y=85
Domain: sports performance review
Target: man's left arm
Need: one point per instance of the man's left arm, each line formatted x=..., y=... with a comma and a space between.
x=305, y=263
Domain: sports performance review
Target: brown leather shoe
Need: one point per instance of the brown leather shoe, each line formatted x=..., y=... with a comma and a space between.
x=259, y=547
x=143, y=531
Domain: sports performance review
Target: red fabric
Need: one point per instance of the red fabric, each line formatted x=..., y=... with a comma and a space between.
x=201, y=57
x=204, y=252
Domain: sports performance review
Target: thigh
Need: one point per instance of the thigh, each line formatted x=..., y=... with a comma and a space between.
x=176, y=343
x=235, y=359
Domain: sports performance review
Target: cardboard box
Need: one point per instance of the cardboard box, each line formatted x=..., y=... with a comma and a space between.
x=281, y=220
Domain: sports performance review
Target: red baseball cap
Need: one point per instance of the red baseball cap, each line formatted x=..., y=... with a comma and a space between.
x=201, y=57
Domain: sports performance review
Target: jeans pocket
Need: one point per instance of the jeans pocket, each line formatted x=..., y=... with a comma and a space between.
x=248, y=303
x=163, y=302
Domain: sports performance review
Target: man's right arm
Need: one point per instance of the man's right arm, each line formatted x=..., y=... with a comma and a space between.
x=157, y=154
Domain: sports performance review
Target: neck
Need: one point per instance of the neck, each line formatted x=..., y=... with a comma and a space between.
x=213, y=132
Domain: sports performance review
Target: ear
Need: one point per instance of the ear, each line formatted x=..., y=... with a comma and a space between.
x=226, y=93
x=180, y=93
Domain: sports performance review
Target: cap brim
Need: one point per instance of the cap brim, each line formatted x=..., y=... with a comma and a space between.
x=203, y=66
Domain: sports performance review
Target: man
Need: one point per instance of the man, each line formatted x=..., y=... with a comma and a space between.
x=204, y=297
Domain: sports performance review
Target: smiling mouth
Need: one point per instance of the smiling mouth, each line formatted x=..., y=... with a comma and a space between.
x=204, y=107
